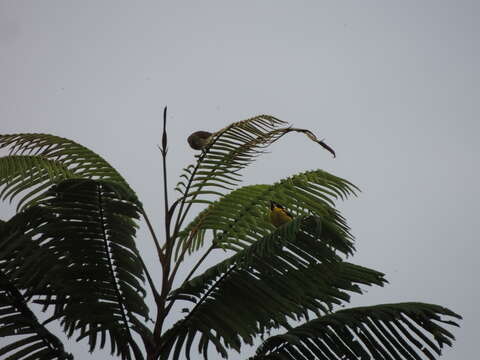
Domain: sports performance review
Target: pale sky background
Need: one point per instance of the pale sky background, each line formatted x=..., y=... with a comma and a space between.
x=393, y=86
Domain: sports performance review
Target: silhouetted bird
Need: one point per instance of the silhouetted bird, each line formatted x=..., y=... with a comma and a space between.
x=199, y=139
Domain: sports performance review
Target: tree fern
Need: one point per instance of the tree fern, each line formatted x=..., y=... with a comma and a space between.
x=71, y=249
x=389, y=331
x=230, y=150
x=240, y=218
x=19, y=322
x=37, y=161
x=85, y=259
x=279, y=278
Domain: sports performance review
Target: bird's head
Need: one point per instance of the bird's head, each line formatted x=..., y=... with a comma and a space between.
x=274, y=205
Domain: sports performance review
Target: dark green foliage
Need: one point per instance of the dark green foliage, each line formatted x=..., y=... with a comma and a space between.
x=80, y=240
x=37, y=161
x=19, y=323
x=291, y=274
x=231, y=149
x=389, y=331
x=240, y=218
x=29, y=336
x=71, y=249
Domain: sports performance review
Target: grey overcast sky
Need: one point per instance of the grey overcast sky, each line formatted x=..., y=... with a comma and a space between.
x=393, y=86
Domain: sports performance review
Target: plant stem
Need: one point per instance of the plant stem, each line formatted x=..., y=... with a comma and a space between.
x=200, y=302
x=164, y=151
x=156, y=295
x=180, y=214
x=199, y=262
x=161, y=256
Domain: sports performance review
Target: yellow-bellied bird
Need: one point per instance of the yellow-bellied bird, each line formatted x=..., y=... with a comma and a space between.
x=278, y=214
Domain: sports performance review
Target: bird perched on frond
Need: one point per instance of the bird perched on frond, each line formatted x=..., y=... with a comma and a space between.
x=199, y=139
x=278, y=214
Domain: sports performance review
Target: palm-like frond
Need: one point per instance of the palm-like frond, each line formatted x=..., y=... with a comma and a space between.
x=71, y=249
x=282, y=277
x=37, y=161
x=22, y=172
x=230, y=150
x=85, y=260
x=19, y=326
x=241, y=217
x=29, y=339
x=389, y=331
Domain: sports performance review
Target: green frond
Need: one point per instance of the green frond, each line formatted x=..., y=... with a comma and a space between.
x=390, y=331
x=230, y=150
x=80, y=240
x=23, y=336
x=19, y=173
x=37, y=161
x=240, y=218
x=283, y=277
